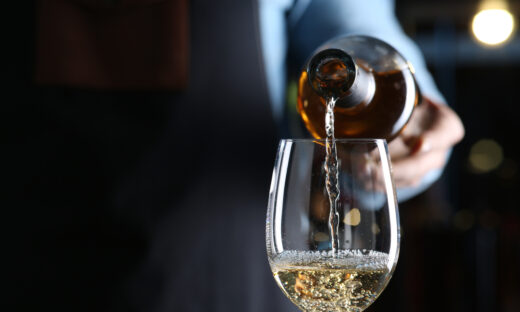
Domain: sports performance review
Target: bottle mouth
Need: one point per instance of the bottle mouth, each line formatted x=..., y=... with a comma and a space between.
x=331, y=73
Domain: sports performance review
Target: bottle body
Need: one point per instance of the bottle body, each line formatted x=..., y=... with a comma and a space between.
x=378, y=102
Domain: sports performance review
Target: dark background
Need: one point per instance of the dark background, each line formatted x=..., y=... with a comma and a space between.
x=461, y=239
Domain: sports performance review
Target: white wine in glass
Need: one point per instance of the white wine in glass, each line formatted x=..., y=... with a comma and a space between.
x=299, y=237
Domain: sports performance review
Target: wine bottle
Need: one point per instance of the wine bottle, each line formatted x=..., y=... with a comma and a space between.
x=373, y=87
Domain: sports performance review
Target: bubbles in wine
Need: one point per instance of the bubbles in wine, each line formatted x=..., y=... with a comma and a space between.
x=349, y=280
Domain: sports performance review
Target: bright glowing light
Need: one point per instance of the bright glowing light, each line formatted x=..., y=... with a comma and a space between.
x=493, y=26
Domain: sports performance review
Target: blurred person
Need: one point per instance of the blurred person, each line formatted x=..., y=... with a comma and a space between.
x=147, y=154
x=420, y=152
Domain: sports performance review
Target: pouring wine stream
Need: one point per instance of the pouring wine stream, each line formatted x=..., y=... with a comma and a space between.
x=331, y=170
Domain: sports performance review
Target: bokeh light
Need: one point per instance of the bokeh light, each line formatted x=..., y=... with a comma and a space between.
x=463, y=220
x=493, y=26
x=353, y=217
x=485, y=155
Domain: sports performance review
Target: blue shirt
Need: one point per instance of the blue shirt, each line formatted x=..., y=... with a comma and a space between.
x=303, y=25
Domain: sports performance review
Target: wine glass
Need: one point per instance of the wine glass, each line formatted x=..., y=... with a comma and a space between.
x=327, y=259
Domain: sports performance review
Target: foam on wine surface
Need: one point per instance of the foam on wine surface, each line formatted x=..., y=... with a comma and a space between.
x=320, y=281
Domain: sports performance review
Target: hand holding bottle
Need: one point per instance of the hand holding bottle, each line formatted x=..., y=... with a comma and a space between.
x=423, y=144
x=376, y=97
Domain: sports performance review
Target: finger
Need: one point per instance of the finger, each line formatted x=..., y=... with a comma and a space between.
x=407, y=172
x=410, y=171
x=398, y=148
x=443, y=130
x=409, y=140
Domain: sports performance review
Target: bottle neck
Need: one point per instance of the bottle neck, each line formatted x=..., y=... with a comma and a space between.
x=361, y=92
x=334, y=74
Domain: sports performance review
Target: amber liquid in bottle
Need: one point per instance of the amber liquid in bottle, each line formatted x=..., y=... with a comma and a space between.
x=382, y=116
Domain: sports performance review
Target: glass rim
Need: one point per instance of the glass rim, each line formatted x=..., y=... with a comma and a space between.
x=341, y=140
